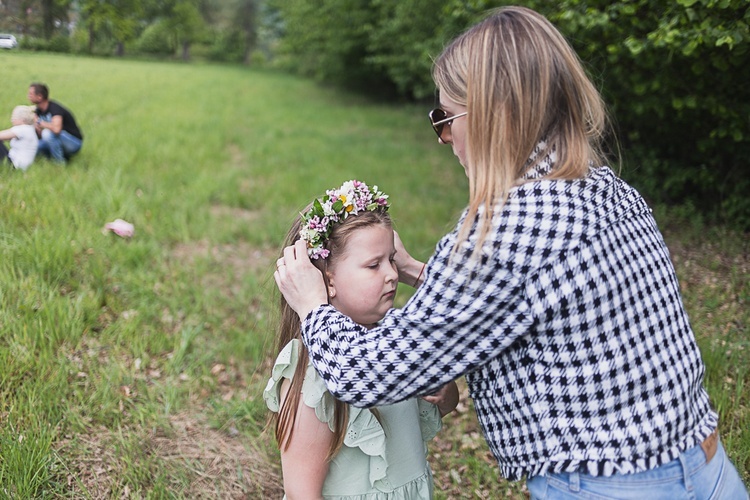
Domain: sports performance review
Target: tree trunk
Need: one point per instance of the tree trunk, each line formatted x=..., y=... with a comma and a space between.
x=185, y=51
x=120, y=50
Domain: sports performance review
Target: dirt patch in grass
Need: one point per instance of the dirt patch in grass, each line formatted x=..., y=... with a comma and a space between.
x=240, y=215
x=715, y=286
x=241, y=258
x=227, y=264
x=706, y=263
x=221, y=465
x=195, y=460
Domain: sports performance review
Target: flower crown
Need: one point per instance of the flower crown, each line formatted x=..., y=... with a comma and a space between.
x=337, y=204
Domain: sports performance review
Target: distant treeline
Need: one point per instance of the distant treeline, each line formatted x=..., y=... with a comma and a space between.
x=674, y=72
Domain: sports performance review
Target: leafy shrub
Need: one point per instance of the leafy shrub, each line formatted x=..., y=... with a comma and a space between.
x=32, y=43
x=228, y=46
x=79, y=41
x=156, y=39
x=59, y=43
x=670, y=70
x=328, y=40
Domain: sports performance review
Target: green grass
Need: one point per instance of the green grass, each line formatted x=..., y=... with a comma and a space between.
x=134, y=367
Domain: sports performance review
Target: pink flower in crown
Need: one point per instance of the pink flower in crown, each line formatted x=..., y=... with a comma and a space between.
x=317, y=223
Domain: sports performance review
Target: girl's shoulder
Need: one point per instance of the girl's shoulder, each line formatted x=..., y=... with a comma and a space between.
x=314, y=392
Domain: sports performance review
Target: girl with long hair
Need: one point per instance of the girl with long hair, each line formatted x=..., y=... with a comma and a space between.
x=328, y=449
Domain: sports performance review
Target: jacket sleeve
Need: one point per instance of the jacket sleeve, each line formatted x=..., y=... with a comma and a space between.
x=464, y=314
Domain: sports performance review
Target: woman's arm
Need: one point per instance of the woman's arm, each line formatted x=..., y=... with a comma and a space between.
x=304, y=463
x=463, y=315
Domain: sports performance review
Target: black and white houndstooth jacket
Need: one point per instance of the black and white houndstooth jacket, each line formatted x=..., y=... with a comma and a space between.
x=570, y=330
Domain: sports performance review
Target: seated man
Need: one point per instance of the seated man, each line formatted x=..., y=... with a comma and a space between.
x=60, y=136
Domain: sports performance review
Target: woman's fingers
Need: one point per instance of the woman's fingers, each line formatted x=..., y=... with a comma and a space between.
x=299, y=280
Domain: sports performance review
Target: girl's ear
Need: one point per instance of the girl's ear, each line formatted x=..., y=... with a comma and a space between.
x=331, y=285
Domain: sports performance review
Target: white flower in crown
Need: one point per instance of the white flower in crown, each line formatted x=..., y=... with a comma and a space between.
x=337, y=204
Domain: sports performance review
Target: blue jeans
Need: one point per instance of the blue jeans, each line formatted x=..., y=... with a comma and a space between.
x=58, y=146
x=687, y=477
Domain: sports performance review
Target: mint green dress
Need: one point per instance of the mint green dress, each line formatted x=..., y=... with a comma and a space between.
x=387, y=462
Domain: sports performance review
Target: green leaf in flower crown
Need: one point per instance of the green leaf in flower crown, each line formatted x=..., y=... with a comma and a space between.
x=338, y=206
x=317, y=208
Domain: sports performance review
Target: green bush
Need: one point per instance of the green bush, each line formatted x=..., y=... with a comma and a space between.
x=32, y=43
x=328, y=40
x=80, y=41
x=670, y=71
x=156, y=39
x=227, y=46
x=59, y=43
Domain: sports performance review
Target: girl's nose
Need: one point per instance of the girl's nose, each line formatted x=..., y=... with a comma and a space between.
x=393, y=273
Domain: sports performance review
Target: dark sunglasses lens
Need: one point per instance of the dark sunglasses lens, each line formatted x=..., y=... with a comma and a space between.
x=437, y=115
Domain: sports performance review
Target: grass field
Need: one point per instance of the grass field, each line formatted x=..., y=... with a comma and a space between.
x=132, y=368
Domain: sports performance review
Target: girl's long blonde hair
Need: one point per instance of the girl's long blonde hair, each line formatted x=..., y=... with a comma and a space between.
x=521, y=82
x=290, y=328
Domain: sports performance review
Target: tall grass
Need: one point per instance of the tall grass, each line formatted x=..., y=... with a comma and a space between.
x=134, y=367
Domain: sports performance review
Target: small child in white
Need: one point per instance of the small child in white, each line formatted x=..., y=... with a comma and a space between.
x=22, y=136
x=328, y=448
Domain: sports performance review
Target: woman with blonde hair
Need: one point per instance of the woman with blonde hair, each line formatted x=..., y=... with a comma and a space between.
x=22, y=137
x=554, y=294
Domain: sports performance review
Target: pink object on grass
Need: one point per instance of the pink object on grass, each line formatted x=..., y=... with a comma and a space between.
x=120, y=228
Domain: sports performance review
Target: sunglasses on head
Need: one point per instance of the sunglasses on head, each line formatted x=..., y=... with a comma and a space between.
x=439, y=119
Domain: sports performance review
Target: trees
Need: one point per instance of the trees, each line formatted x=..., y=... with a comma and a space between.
x=675, y=73
x=229, y=27
x=115, y=19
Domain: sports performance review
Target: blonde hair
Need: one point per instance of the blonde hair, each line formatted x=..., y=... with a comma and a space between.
x=521, y=83
x=290, y=328
x=24, y=114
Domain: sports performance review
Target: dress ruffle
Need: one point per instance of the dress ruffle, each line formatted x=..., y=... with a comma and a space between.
x=364, y=431
x=430, y=421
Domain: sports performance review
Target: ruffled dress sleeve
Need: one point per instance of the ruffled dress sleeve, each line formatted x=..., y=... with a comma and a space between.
x=314, y=392
x=359, y=471
x=430, y=421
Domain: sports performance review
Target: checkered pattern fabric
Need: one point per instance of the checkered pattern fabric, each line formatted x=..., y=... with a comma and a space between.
x=569, y=328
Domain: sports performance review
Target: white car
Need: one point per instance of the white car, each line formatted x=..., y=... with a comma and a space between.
x=8, y=42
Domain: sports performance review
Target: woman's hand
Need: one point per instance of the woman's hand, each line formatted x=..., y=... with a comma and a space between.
x=446, y=398
x=409, y=268
x=299, y=281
